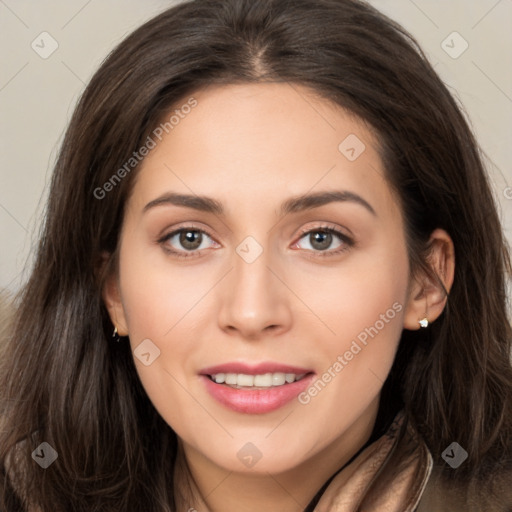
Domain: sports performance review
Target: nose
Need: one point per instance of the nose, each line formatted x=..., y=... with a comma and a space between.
x=254, y=300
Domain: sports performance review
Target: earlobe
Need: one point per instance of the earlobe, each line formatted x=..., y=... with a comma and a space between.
x=428, y=294
x=112, y=298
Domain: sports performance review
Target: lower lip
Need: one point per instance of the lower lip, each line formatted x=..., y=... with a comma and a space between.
x=257, y=401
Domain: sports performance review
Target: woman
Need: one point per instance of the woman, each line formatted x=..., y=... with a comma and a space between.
x=271, y=277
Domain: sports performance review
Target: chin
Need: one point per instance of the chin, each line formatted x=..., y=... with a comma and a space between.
x=253, y=458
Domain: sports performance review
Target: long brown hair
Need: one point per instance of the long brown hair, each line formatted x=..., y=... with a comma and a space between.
x=65, y=383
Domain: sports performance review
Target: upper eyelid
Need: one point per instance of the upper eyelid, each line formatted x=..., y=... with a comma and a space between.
x=326, y=226
x=191, y=227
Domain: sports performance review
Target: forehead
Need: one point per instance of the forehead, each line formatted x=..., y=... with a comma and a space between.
x=254, y=142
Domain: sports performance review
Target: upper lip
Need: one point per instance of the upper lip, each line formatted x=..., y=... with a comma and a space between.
x=254, y=369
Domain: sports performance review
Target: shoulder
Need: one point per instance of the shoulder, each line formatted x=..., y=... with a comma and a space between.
x=442, y=495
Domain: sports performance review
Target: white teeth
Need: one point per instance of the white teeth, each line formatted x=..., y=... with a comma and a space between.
x=278, y=379
x=265, y=380
x=231, y=378
x=245, y=380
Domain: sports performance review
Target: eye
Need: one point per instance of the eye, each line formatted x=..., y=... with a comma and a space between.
x=321, y=239
x=186, y=240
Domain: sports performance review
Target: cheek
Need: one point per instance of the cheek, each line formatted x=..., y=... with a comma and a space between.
x=162, y=304
x=156, y=295
x=366, y=291
x=363, y=305
x=156, y=301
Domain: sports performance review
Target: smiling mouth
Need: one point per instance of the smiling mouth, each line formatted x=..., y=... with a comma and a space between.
x=259, y=391
x=253, y=382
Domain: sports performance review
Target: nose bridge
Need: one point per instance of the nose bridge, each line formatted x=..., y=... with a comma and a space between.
x=253, y=299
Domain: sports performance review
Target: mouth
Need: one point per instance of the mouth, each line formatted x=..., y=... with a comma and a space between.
x=255, y=389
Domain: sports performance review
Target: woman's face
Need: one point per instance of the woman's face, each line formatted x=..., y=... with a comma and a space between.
x=290, y=265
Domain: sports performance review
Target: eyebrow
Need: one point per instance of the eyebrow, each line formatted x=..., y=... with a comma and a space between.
x=292, y=205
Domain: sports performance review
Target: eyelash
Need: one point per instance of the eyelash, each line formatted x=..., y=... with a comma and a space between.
x=348, y=243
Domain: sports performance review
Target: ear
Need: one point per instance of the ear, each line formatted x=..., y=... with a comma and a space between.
x=427, y=298
x=111, y=295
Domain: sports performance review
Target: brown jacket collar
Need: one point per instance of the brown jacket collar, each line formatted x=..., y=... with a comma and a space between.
x=390, y=475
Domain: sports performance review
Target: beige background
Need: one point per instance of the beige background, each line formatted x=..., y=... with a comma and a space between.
x=38, y=95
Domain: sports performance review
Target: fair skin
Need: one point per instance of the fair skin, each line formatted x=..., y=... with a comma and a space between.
x=251, y=147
